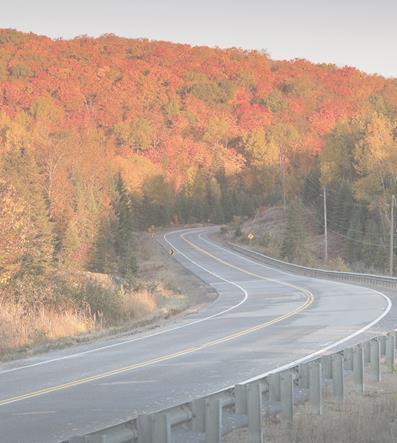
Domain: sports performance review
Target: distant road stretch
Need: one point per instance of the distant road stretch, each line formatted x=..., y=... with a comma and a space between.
x=263, y=319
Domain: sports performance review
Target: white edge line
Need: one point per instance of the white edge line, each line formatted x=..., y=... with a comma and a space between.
x=331, y=346
x=322, y=350
x=281, y=368
x=206, y=240
x=113, y=345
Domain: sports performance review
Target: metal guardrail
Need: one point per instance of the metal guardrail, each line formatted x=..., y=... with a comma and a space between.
x=244, y=405
x=206, y=419
x=365, y=279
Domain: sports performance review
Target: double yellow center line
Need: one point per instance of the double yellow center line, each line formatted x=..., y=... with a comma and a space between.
x=308, y=301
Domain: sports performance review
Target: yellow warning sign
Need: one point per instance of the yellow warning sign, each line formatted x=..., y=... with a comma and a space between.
x=250, y=236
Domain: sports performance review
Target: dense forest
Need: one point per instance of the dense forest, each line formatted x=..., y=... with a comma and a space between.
x=103, y=136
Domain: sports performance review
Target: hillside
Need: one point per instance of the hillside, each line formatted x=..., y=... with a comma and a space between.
x=270, y=231
x=101, y=137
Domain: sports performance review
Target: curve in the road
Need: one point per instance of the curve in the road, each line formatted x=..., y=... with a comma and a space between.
x=308, y=301
x=217, y=347
x=175, y=328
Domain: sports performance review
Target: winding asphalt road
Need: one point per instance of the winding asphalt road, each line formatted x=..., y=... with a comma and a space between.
x=263, y=319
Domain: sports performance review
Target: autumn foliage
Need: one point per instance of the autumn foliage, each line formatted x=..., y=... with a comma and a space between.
x=99, y=136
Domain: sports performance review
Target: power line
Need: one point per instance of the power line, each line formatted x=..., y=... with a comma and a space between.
x=321, y=223
x=333, y=194
x=347, y=227
x=383, y=245
x=336, y=204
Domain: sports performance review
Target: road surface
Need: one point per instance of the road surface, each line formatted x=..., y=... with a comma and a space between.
x=263, y=319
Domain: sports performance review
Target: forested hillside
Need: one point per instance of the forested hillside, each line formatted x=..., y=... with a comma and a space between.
x=102, y=136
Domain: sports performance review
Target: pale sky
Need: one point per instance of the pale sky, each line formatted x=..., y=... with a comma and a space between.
x=360, y=33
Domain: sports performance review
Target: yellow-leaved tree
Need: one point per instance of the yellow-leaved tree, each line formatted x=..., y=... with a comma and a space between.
x=375, y=162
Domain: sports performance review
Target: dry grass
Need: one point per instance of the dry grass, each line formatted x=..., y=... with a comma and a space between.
x=20, y=328
x=163, y=288
x=368, y=418
x=138, y=304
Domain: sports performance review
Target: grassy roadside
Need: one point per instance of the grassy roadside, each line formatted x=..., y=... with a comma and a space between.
x=163, y=289
x=362, y=418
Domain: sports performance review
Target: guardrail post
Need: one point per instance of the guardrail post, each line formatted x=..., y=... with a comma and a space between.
x=375, y=357
x=198, y=415
x=358, y=366
x=326, y=366
x=348, y=356
x=367, y=352
x=287, y=399
x=304, y=376
x=213, y=420
x=254, y=410
x=274, y=387
x=391, y=350
x=382, y=339
x=338, y=376
x=315, y=391
x=161, y=432
x=240, y=398
x=144, y=426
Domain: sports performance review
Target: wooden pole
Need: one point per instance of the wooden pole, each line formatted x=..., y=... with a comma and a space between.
x=325, y=226
x=282, y=173
x=393, y=198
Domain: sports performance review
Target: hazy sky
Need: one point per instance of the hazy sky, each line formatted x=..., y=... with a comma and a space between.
x=361, y=33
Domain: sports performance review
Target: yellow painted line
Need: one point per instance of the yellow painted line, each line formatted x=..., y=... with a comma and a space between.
x=305, y=291
x=74, y=383
x=93, y=378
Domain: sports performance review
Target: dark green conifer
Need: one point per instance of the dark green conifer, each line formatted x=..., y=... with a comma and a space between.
x=22, y=172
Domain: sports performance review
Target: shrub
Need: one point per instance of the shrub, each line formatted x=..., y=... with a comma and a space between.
x=102, y=302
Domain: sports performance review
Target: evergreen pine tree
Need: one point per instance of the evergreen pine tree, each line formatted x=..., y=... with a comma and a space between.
x=123, y=229
x=22, y=172
x=312, y=188
x=355, y=235
x=104, y=258
x=293, y=247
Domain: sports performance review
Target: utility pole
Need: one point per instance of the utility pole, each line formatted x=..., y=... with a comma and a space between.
x=325, y=226
x=393, y=202
x=282, y=173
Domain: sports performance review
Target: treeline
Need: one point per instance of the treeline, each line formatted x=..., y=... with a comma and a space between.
x=358, y=170
x=359, y=165
x=206, y=199
x=101, y=137
x=36, y=264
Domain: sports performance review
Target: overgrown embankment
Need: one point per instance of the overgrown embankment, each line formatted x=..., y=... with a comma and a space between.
x=52, y=311
x=291, y=235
